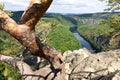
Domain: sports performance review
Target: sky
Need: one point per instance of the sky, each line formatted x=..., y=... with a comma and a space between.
x=60, y=6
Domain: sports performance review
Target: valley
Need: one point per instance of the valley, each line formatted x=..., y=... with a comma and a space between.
x=64, y=32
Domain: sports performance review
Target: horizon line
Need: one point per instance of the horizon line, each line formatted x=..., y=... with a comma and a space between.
x=74, y=13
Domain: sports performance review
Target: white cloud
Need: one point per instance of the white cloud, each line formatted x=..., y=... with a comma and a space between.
x=77, y=6
x=15, y=5
x=12, y=2
x=61, y=6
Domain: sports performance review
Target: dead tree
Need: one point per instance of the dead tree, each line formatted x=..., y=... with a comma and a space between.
x=24, y=32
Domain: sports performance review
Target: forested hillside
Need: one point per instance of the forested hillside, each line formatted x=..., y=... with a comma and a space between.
x=100, y=29
x=55, y=30
x=35, y=45
x=52, y=29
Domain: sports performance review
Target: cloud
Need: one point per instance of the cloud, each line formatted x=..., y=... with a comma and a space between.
x=77, y=6
x=18, y=2
x=15, y=5
x=61, y=6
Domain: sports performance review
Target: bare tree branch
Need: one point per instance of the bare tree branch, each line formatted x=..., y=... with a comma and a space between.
x=45, y=73
x=25, y=34
x=21, y=32
x=34, y=12
x=8, y=24
x=23, y=67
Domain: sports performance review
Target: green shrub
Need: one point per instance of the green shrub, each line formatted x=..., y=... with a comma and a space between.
x=7, y=71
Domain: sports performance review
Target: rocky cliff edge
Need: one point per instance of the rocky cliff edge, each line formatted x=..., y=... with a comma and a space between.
x=83, y=65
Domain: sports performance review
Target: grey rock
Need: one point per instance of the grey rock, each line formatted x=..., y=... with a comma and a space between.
x=82, y=65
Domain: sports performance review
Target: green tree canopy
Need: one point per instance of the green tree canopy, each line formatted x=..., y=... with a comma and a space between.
x=1, y=6
x=113, y=22
x=113, y=4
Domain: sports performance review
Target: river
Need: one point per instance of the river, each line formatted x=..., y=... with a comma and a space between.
x=83, y=42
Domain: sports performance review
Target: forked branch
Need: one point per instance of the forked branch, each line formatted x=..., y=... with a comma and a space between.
x=24, y=32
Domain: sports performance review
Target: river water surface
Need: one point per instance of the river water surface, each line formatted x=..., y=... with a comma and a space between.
x=82, y=41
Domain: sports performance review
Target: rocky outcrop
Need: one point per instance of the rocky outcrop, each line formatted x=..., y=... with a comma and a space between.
x=78, y=65
x=115, y=41
x=82, y=65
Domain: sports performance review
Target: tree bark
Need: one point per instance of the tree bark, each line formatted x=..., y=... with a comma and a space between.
x=34, y=12
x=45, y=73
x=24, y=32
